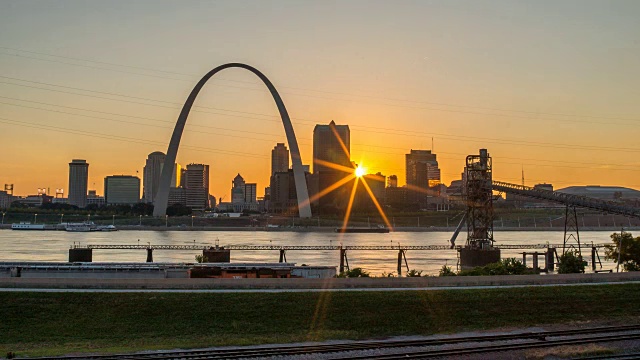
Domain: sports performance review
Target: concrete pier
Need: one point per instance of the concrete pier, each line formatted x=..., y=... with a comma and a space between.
x=217, y=255
x=470, y=258
x=80, y=255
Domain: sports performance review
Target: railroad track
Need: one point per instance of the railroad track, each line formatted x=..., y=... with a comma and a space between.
x=534, y=340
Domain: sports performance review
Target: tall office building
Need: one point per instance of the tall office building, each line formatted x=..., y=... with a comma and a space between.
x=78, y=182
x=422, y=173
x=422, y=168
x=121, y=190
x=151, y=175
x=152, y=171
x=237, y=190
x=250, y=190
x=196, y=184
x=279, y=158
x=331, y=143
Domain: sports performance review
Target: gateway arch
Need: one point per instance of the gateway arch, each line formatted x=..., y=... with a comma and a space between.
x=162, y=197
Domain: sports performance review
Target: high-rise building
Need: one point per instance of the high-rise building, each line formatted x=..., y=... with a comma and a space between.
x=422, y=173
x=78, y=182
x=152, y=171
x=392, y=181
x=250, y=192
x=121, y=190
x=237, y=190
x=196, y=184
x=151, y=175
x=279, y=158
x=331, y=143
x=422, y=168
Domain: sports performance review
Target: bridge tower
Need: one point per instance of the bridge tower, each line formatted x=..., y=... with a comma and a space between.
x=478, y=194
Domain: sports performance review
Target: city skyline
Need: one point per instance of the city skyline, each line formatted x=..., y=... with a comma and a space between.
x=490, y=82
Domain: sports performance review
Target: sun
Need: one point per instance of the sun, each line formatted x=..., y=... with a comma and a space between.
x=360, y=171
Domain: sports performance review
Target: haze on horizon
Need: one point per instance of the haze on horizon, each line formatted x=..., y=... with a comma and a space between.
x=548, y=86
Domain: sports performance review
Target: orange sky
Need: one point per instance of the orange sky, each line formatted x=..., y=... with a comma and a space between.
x=545, y=86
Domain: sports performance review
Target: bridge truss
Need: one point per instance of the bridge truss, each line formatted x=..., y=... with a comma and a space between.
x=571, y=202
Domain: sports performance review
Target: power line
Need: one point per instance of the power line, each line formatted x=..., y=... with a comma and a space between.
x=537, y=113
x=387, y=131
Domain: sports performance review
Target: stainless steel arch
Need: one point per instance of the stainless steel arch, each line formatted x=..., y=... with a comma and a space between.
x=160, y=205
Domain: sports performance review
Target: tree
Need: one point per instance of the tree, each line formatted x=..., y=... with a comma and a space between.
x=571, y=263
x=629, y=250
x=201, y=259
x=178, y=210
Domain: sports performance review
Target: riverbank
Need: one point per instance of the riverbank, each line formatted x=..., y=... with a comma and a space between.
x=37, y=324
x=328, y=229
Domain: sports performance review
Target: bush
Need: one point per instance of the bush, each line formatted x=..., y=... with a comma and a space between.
x=414, y=273
x=509, y=266
x=571, y=263
x=446, y=271
x=354, y=273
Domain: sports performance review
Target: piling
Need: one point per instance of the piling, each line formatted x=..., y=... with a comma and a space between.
x=593, y=258
x=535, y=261
x=400, y=262
x=283, y=256
x=549, y=259
x=149, y=255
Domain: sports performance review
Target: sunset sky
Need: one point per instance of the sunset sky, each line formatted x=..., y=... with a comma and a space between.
x=549, y=86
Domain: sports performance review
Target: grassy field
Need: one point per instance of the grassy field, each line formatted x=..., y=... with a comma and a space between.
x=63, y=323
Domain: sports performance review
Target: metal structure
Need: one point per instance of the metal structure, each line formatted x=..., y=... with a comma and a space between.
x=479, y=199
x=162, y=197
x=572, y=202
x=314, y=248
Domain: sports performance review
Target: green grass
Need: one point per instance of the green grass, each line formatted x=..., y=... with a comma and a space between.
x=62, y=323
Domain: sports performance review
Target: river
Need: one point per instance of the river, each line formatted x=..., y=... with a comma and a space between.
x=54, y=245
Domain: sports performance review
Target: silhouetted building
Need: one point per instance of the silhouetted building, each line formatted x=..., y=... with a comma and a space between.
x=237, y=190
x=279, y=158
x=422, y=174
x=331, y=143
x=94, y=199
x=78, y=182
x=121, y=190
x=392, y=181
x=250, y=195
x=283, y=195
x=151, y=175
x=196, y=185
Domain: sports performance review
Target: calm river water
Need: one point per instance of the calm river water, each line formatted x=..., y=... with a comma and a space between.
x=54, y=245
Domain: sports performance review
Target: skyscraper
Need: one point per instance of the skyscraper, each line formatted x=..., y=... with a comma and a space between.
x=237, y=190
x=196, y=184
x=279, y=158
x=331, y=143
x=151, y=175
x=422, y=173
x=78, y=182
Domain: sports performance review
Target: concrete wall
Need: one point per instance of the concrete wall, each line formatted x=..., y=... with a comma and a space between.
x=333, y=283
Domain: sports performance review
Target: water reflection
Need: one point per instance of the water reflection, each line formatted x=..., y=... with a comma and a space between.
x=54, y=245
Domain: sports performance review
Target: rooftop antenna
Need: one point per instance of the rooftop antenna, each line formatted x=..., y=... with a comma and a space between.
x=432, y=149
x=522, y=175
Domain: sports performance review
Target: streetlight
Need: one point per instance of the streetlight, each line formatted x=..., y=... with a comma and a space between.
x=61, y=215
x=192, y=221
x=3, y=218
x=140, y=223
x=166, y=221
x=113, y=220
x=35, y=218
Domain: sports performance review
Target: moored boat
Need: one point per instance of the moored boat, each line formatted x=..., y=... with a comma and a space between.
x=81, y=227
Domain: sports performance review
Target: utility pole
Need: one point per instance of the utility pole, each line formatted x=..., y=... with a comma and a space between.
x=619, y=250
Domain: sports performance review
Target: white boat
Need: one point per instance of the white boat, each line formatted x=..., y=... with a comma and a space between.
x=81, y=227
x=107, y=228
x=27, y=226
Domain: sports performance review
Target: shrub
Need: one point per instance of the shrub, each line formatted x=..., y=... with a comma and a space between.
x=446, y=271
x=414, y=273
x=571, y=263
